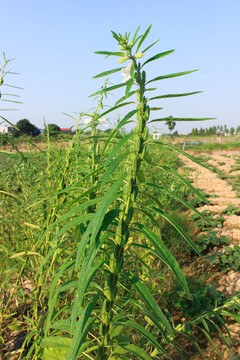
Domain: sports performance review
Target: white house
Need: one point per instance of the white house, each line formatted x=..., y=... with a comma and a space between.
x=157, y=135
x=5, y=129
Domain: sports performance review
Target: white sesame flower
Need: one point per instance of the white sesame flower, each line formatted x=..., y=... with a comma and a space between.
x=172, y=188
x=102, y=121
x=87, y=121
x=126, y=72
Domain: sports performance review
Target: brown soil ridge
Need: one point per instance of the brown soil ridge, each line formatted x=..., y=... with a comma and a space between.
x=208, y=182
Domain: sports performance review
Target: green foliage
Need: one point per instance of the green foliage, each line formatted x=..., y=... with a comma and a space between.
x=227, y=258
x=25, y=128
x=52, y=129
x=210, y=221
x=196, y=202
x=209, y=241
x=231, y=210
x=204, y=299
x=170, y=123
x=94, y=219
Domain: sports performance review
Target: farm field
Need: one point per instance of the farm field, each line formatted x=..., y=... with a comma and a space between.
x=221, y=183
x=115, y=246
x=39, y=188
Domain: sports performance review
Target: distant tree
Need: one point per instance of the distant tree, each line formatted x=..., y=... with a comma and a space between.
x=194, y=132
x=52, y=128
x=211, y=131
x=201, y=132
x=26, y=128
x=108, y=131
x=238, y=130
x=232, y=131
x=170, y=123
x=175, y=133
x=214, y=130
x=226, y=129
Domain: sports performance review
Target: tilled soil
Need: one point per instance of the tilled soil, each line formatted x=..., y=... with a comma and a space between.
x=224, y=194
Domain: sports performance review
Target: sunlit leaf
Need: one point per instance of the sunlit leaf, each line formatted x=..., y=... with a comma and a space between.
x=105, y=73
x=109, y=53
x=173, y=95
x=149, y=301
x=181, y=119
x=170, y=76
x=158, y=56
x=103, y=91
x=165, y=255
x=143, y=38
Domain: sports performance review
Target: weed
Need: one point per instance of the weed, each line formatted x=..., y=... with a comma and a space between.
x=209, y=241
x=231, y=210
x=228, y=258
x=204, y=298
x=211, y=221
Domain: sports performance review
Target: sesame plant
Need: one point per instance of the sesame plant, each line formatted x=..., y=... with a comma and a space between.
x=83, y=226
x=6, y=97
x=110, y=297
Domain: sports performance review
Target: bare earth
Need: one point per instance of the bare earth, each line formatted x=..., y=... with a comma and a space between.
x=208, y=182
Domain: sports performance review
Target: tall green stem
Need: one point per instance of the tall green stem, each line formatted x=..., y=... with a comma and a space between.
x=95, y=153
x=130, y=192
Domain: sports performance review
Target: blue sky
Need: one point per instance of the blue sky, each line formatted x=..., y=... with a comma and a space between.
x=53, y=43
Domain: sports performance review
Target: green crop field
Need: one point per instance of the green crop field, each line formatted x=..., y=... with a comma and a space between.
x=100, y=245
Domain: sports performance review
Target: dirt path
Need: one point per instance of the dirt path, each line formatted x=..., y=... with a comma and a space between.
x=227, y=164
x=209, y=182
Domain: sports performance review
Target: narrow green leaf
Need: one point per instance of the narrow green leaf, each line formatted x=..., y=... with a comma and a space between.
x=165, y=255
x=182, y=119
x=158, y=56
x=123, y=122
x=143, y=38
x=70, y=284
x=11, y=95
x=177, y=227
x=149, y=301
x=7, y=193
x=155, y=109
x=48, y=256
x=62, y=325
x=15, y=87
x=76, y=221
x=13, y=101
x=137, y=351
x=178, y=198
x=135, y=35
x=81, y=181
x=146, y=334
x=117, y=148
x=179, y=151
x=103, y=91
x=53, y=295
x=84, y=325
x=131, y=93
x=147, y=48
x=129, y=85
x=96, y=221
x=114, y=108
x=61, y=343
x=146, y=312
x=171, y=76
x=105, y=73
x=151, y=217
x=174, y=95
x=85, y=278
x=206, y=333
x=109, y=53
x=183, y=179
